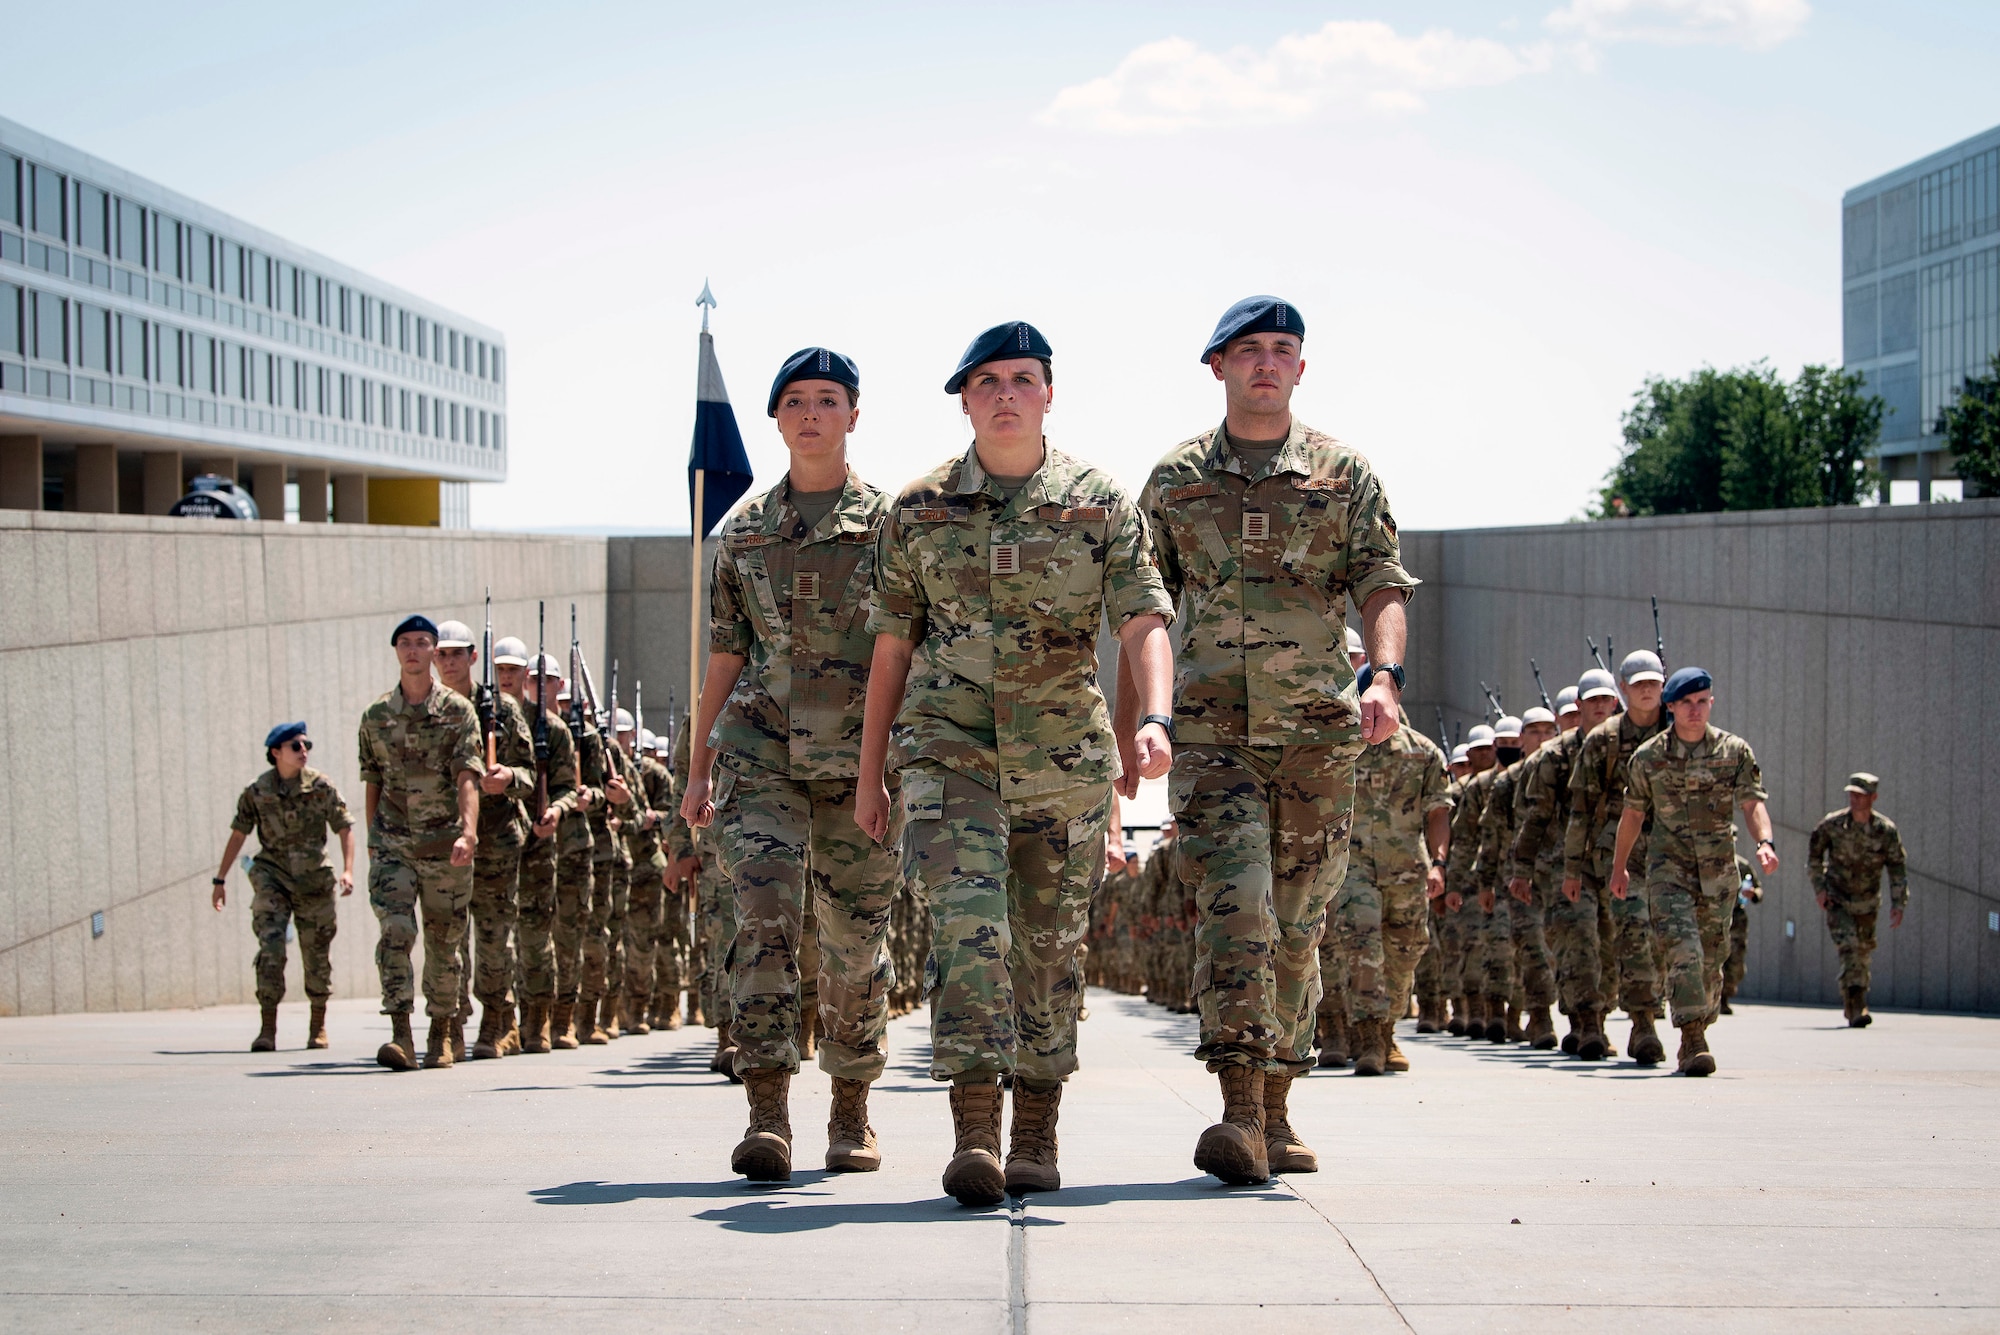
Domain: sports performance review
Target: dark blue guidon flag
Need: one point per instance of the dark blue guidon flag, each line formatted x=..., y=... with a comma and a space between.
x=718, y=446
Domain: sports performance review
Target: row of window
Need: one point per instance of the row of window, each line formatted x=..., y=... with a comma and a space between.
x=1961, y=319
x=49, y=328
x=1961, y=201
x=47, y=203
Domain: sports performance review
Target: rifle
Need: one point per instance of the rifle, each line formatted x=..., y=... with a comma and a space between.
x=1541, y=689
x=1457, y=733
x=575, y=679
x=1493, y=701
x=1659, y=645
x=541, y=726
x=1610, y=652
x=489, y=722
x=1595, y=657
x=1444, y=738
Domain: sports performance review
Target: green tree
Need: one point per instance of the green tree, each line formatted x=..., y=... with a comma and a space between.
x=1839, y=427
x=1970, y=425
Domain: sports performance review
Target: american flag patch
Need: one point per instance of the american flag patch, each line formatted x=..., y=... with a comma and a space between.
x=1006, y=558
x=1256, y=526
x=805, y=584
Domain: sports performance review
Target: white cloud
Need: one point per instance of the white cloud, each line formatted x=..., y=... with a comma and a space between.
x=1172, y=84
x=1755, y=25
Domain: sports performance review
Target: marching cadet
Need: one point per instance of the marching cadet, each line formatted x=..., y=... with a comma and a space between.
x=1685, y=782
x=781, y=706
x=1464, y=924
x=1264, y=530
x=1429, y=983
x=995, y=572
x=647, y=879
x=421, y=762
x=290, y=807
x=1849, y=850
x=1597, y=799
x=1518, y=953
x=1749, y=890
x=503, y=829
x=536, y=690
x=714, y=929
x=658, y=988
x=603, y=927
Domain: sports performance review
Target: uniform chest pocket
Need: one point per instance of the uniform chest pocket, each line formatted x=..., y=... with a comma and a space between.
x=1064, y=562
x=1198, y=516
x=949, y=545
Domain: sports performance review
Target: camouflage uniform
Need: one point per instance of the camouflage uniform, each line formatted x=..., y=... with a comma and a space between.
x=1380, y=916
x=290, y=878
x=1464, y=929
x=535, y=928
x=1517, y=954
x=657, y=988
x=1268, y=725
x=813, y=891
x=1691, y=794
x=713, y=926
x=496, y=867
x=1596, y=801
x=1004, y=742
x=1576, y=933
x=1846, y=862
x=610, y=871
x=1750, y=889
x=414, y=754
x=576, y=863
x=645, y=907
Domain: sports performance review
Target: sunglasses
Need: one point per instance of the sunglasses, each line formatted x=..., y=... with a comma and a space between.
x=299, y=744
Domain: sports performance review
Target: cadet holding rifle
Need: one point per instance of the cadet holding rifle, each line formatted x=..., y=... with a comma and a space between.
x=551, y=811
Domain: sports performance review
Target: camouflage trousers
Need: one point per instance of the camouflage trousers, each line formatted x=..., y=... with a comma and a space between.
x=604, y=928
x=576, y=885
x=1336, y=973
x=1583, y=940
x=1739, y=950
x=403, y=889
x=534, y=927
x=1633, y=949
x=1263, y=835
x=1852, y=927
x=279, y=899
x=1455, y=939
x=909, y=946
x=486, y=961
x=1691, y=926
x=1009, y=885
x=813, y=894
x=671, y=941
x=1429, y=980
x=718, y=918
x=645, y=902
x=1381, y=929
x=1517, y=953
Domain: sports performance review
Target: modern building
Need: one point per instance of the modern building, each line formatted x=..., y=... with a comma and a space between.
x=1920, y=282
x=146, y=338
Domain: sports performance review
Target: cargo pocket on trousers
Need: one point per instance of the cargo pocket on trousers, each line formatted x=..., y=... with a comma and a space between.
x=923, y=795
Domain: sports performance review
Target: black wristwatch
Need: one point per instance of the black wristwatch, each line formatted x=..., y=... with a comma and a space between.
x=1164, y=720
x=1437, y=862
x=1395, y=671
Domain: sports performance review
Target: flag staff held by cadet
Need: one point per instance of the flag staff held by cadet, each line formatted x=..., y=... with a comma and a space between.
x=718, y=475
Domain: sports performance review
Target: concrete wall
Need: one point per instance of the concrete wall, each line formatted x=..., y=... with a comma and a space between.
x=647, y=599
x=141, y=661
x=1841, y=640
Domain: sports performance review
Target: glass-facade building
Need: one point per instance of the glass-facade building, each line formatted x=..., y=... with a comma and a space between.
x=1920, y=287
x=146, y=338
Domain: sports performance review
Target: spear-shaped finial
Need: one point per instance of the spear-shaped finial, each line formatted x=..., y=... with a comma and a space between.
x=707, y=302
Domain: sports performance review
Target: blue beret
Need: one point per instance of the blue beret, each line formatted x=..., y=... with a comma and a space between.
x=409, y=623
x=814, y=364
x=1254, y=315
x=283, y=733
x=1685, y=681
x=1003, y=342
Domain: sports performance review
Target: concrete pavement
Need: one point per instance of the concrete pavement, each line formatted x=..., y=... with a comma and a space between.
x=155, y=1175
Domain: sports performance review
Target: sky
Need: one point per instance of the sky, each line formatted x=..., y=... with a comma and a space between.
x=1498, y=220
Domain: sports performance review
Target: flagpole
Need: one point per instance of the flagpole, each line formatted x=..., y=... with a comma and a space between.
x=694, y=600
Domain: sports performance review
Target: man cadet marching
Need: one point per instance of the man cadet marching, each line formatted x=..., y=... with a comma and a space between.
x=1395, y=867
x=503, y=829
x=1687, y=782
x=1849, y=850
x=535, y=688
x=781, y=706
x=648, y=936
x=290, y=807
x=996, y=571
x=1464, y=920
x=1597, y=800
x=1264, y=530
x=421, y=761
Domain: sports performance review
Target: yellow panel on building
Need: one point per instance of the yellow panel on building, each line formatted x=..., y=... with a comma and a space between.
x=403, y=500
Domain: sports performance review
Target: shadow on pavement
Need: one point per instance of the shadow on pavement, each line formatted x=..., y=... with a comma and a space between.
x=1202, y=1188
x=773, y=1216
x=357, y=1066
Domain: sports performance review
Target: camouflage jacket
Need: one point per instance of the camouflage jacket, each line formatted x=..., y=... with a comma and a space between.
x=290, y=820
x=503, y=817
x=1495, y=864
x=592, y=775
x=679, y=836
x=1846, y=860
x=793, y=602
x=1262, y=569
x=561, y=775
x=1541, y=804
x=1397, y=783
x=1691, y=792
x=649, y=827
x=615, y=846
x=414, y=754
x=1597, y=797
x=1463, y=855
x=1002, y=601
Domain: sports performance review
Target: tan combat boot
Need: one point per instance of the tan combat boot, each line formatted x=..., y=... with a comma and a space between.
x=487, y=1046
x=588, y=1028
x=1333, y=1042
x=1429, y=1019
x=640, y=1016
x=1371, y=1053
x=1460, y=1023
x=535, y=1031
x=1283, y=1149
x=1574, y=1038
x=850, y=1141
x=455, y=1034
x=1857, y=1008
x=1694, y=1057
x=316, y=1026
x=437, y=1047
x=725, y=1056
x=1591, y=1044
x=510, y=1032
x=1233, y=1149
x=400, y=1052
x=1397, y=1062
x=1541, y=1029
x=564, y=1022
x=974, y=1175
x=608, y=1012
x=267, y=1033
x=1031, y=1148
x=809, y=1033
x=1497, y=1008
x=1645, y=1047
x=765, y=1152
x=668, y=1014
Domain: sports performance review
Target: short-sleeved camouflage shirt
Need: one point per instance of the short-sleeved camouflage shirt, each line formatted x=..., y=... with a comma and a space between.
x=290, y=820
x=1397, y=783
x=1597, y=796
x=1691, y=792
x=794, y=602
x=1496, y=830
x=1002, y=600
x=415, y=753
x=503, y=817
x=1846, y=859
x=1262, y=565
